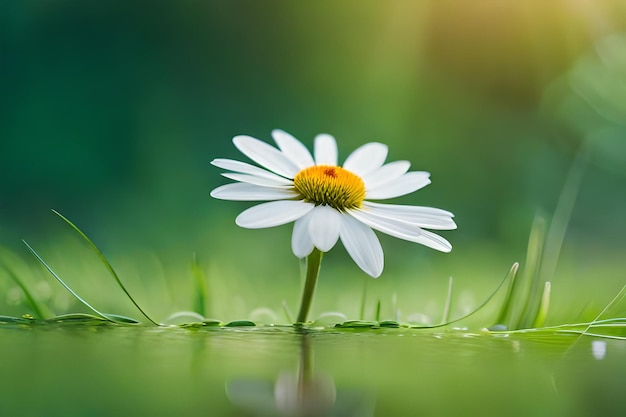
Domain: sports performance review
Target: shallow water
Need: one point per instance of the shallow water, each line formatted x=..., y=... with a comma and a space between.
x=117, y=371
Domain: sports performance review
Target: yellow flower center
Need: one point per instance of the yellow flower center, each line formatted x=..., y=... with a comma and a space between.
x=330, y=186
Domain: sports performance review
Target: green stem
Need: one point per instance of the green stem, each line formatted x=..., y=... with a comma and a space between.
x=313, y=263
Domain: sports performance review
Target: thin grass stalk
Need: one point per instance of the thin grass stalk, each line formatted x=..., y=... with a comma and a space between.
x=363, y=299
x=476, y=310
x=582, y=329
x=553, y=242
x=530, y=277
x=612, y=322
x=287, y=311
x=445, y=316
x=67, y=287
x=507, y=304
x=604, y=336
x=616, y=300
x=544, y=306
x=200, y=291
x=570, y=329
x=106, y=264
x=562, y=215
x=394, y=306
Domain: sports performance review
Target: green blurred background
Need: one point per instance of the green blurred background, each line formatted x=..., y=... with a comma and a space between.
x=110, y=112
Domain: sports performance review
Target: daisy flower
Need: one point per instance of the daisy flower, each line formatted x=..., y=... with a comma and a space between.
x=329, y=202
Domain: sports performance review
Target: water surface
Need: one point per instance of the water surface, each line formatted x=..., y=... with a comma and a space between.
x=64, y=370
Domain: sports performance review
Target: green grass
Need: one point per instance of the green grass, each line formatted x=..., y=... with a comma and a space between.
x=519, y=304
x=512, y=298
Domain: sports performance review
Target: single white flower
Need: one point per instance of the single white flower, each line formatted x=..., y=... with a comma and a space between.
x=328, y=201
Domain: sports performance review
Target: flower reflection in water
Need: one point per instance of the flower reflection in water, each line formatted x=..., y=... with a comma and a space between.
x=304, y=393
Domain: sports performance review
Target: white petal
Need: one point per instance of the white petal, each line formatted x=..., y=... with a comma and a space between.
x=244, y=168
x=406, y=184
x=325, y=150
x=266, y=156
x=366, y=158
x=272, y=214
x=398, y=208
x=324, y=227
x=436, y=241
x=293, y=148
x=403, y=230
x=363, y=246
x=386, y=174
x=250, y=192
x=301, y=242
x=428, y=217
x=279, y=182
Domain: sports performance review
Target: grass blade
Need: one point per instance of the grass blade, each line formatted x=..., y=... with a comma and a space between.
x=106, y=264
x=544, y=306
x=562, y=214
x=507, y=304
x=476, y=310
x=616, y=300
x=54, y=274
x=363, y=298
x=287, y=312
x=446, y=308
x=529, y=284
x=615, y=324
x=542, y=265
x=377, y=315
x=200, y=293
x=604, y=336
x=394, y=306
